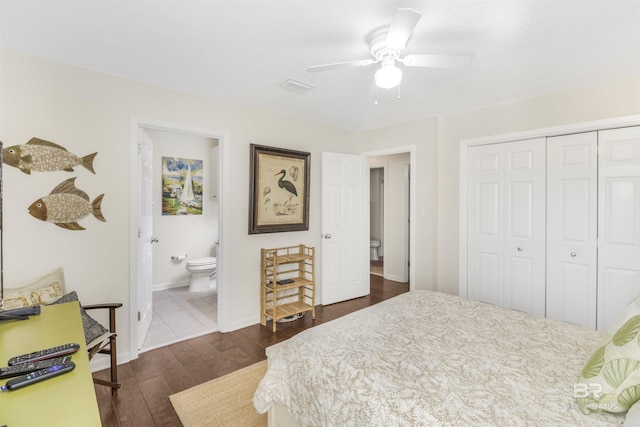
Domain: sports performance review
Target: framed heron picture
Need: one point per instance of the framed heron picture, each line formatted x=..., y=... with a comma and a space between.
x=279, y=190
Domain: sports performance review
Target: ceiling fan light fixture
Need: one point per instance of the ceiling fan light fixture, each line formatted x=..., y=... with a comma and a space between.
x=388, y=75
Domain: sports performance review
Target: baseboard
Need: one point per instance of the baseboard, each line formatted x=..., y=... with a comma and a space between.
x=103, y=361
x=169, y=285
x=243, y=323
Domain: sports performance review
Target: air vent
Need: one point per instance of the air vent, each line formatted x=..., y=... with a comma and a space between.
x=296, y=86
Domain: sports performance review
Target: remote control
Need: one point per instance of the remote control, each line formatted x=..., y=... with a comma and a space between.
x=284, y=281
x=22, y=311
x=25, y=368
x=48, y=353
x=37, y=376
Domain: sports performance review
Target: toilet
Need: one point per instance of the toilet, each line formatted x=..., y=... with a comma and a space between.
x=201, y=270
x=375, y=244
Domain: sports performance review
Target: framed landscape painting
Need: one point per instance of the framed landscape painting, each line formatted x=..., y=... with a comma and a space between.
x=181, y=186
x=279, y=190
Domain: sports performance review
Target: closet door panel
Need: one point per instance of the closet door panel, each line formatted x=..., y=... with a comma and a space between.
x=485, y=235
x=524, y=240
x=506, y=224
x=619, y=222
x=572, y=228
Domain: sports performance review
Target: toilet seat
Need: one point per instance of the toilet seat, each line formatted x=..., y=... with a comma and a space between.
x=209, y=261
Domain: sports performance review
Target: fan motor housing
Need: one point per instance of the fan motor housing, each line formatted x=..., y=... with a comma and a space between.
x=378, y=46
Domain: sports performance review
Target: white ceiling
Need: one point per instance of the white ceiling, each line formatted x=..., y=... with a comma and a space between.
x=240, y=51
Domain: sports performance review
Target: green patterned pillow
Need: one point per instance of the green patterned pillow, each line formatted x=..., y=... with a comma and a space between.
x=610, y=380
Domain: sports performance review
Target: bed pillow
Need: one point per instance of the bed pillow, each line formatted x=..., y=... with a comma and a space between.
x=92, y=329
x=633, y=416
x=43, y=290
x=610, y=380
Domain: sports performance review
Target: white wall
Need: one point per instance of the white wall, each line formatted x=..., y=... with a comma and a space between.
x=606, y=100
x=422, y=134
x=395, y=214
x=86, y=111
x=193, y=235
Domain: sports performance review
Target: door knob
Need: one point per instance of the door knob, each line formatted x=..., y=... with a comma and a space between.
x=573, y=254
x=520, y=249
x=154, y=240
x=327, y=236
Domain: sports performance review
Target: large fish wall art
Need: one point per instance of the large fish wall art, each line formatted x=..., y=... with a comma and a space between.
x=44, y=156
x=66, y=205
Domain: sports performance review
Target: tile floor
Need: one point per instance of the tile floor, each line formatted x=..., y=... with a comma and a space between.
x=179, y=314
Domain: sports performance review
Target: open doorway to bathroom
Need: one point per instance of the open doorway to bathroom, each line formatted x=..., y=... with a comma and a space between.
x=185, y=232
x=390, y=193
x=376, y=220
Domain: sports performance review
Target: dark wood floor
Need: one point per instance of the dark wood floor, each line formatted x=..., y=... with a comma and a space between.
x=147, y=382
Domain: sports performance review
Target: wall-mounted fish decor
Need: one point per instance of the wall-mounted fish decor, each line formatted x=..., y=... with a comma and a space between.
x=66, y=205
x=44, y=156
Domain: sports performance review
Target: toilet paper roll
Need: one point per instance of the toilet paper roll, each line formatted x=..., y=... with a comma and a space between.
x=179, y=257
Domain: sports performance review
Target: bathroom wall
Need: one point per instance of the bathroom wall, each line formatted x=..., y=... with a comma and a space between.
x=193, y=235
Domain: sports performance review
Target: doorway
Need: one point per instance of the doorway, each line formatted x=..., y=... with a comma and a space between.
x=389, y=213
x=141, y=272
x=376, y=220
x=398, y=236
x=184, y=230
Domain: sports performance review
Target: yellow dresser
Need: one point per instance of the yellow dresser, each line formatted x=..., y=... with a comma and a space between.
x=66, y=400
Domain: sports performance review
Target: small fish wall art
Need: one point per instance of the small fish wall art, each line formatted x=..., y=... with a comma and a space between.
x=44, y=156
x=66, y=205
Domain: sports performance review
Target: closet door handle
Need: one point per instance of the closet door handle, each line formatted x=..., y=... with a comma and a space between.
x=327, y=236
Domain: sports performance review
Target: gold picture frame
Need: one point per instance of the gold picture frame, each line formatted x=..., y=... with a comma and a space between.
x=279, y=190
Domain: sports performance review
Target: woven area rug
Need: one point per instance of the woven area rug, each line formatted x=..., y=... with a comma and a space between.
x=224, y=401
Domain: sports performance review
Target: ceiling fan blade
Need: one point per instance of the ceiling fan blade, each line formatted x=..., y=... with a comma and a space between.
x=437, y=61
x=403, y=22
x=347, y=64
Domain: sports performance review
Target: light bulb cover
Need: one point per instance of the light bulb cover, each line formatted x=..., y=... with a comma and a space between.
x=388, y=76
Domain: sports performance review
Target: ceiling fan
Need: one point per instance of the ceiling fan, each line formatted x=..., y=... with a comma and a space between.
x=387, y=46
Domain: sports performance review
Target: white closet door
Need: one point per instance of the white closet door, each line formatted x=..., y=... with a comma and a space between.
x=572, y=228
x=619, y=222
x=506, y=229
x=485, y=219
x=524, y=226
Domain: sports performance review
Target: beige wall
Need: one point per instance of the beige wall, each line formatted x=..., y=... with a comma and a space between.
x=602, y=101
x=85, y=111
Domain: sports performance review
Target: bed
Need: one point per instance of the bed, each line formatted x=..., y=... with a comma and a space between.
x=428, y=358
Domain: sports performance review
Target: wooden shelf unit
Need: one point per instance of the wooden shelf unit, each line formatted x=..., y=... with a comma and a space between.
x=277, y=301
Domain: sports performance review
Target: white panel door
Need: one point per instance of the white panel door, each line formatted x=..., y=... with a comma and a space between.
x=524, y=226
x=572, y=228
x=345, y=227
x=145, y=238
x=485, y=223
x=619, y=222
x=506, y=225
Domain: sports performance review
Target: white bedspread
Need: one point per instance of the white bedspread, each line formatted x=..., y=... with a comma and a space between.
x=427, y=358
